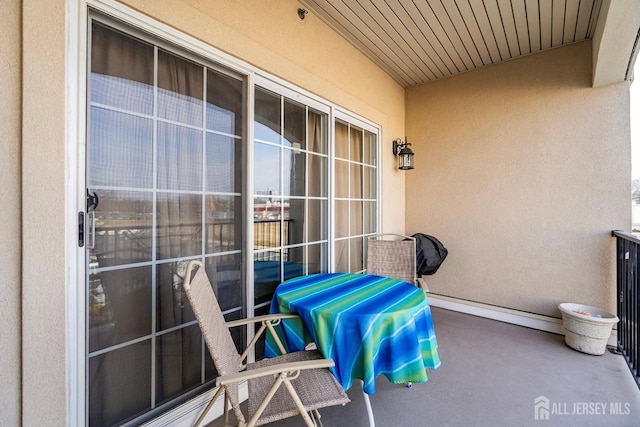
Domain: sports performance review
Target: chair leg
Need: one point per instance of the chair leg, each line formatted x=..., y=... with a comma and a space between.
x=283, y=378
x=298, y=402
x=317, y=418
x=226, y=409
x=211, y=402
x=266, y=400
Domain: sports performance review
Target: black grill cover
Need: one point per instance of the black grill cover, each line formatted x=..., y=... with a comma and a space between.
x=430, y=253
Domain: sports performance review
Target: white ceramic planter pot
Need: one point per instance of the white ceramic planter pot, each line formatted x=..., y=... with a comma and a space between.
x=587, y=329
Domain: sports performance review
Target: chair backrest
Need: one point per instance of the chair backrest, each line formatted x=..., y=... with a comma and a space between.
x=214, y=329
x=392, y=255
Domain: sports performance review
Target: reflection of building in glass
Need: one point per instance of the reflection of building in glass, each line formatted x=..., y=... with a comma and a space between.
x=268, y=207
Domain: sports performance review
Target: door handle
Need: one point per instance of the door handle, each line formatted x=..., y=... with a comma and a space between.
x=92, y=201
x=81, y=229
x=91, y=230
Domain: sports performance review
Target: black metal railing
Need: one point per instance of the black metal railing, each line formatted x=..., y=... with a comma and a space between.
x=628, y=262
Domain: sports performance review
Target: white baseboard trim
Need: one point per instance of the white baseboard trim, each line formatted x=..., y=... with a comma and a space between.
x=507, y=315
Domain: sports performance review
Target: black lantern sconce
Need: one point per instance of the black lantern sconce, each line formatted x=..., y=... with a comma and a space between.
x=404, y=153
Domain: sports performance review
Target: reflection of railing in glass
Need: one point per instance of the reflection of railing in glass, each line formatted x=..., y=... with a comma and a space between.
x=131, y=240
x=267, y=234
x=135, y=241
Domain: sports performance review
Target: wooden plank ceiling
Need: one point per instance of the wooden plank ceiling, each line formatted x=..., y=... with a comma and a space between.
x=418, y=41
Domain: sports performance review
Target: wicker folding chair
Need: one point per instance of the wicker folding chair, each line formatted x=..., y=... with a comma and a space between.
x=308, y=383
x=392, y=255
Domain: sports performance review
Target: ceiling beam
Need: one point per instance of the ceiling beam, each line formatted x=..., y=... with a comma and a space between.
x=615, y=41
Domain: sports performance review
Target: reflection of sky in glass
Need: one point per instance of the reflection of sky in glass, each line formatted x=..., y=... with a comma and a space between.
x=220, y=120
x=267, y=168
x=121, y=93
x=179, y=108
x=221, y=163
x=120, y=152
x=179, y=157
x=265, y=133
x=267, y=162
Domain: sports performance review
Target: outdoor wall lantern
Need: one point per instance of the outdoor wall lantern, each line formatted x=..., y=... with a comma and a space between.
x=404, y=153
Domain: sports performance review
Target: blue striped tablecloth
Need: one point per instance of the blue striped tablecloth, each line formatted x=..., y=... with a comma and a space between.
x=369, y=325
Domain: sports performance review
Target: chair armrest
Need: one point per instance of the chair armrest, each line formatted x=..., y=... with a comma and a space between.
x=274, y=370
x=266, y=317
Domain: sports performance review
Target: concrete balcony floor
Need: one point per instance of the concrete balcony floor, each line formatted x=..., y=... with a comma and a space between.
x=491, y=375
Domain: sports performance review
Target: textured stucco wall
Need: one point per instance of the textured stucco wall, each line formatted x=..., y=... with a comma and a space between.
x=44, y=289
x=522, y=170
x=10, y=212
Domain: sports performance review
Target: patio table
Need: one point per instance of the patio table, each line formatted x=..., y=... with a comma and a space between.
x=369, y=325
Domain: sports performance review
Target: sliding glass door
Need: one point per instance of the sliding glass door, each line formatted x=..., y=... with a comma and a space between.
x=165, y=156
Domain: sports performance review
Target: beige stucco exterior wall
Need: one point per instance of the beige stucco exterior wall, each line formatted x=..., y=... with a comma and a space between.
x=522, y=170
x=44, y=285
x=267, y=34
x=10, y=77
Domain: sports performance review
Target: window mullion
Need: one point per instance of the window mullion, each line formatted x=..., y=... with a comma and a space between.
x=154, y=231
